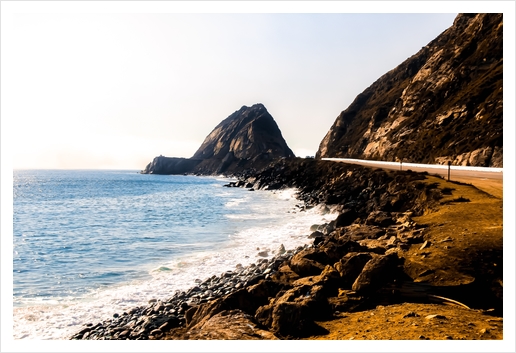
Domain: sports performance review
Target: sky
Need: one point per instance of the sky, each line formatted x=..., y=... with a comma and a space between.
x=111, y=85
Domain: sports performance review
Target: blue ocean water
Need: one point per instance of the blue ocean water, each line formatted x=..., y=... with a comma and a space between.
x=87, y=243
x=74, y=231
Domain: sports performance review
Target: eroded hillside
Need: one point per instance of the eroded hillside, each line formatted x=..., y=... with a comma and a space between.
x=443, y=103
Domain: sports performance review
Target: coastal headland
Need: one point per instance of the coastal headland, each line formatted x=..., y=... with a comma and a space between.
x=410, y=256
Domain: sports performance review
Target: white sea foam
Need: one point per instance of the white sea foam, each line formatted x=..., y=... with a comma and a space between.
x=235, y=202
x=62, y=318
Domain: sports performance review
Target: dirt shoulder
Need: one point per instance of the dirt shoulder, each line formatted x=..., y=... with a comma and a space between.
x=409, y=321
x=494, y=187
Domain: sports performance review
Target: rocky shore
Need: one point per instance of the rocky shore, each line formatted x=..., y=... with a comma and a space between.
x=159, y=316
x=355, y=263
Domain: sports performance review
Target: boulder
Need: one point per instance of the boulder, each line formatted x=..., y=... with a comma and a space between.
x=377, y=272
x=327, y=282
x=292, y=319
x=309, y=262
x=265, y=289
x=241, y=299
x=229, y=325
x=305, y=267
x=284, y=275
x=345, y=218
x=350, y=266
x=294, y=313
x=380, y=218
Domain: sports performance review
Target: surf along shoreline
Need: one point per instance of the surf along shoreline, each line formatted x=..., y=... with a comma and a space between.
x=381, y=250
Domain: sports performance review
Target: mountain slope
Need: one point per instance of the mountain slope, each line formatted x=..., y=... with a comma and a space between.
x=443, y=103
x=248, y=138
x=249, y=133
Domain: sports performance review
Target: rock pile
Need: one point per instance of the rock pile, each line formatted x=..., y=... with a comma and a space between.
x=159, y=316
x=338, y=274
x=358, y=191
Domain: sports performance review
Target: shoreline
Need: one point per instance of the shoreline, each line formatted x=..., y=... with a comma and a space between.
x=355, y=263
x=45, y=321
x=144, y=321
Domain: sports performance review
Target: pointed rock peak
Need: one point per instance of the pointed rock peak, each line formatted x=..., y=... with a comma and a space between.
x=248, y=138
x=247, y=133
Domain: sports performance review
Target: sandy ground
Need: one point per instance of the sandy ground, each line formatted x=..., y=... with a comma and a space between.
x=410, y=321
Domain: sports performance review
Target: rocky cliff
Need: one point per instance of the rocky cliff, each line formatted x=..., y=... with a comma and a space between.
x=248, y=138
x=445, y=103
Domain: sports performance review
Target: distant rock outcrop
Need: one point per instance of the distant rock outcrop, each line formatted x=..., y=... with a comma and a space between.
x=248, y=138
x=443, y=104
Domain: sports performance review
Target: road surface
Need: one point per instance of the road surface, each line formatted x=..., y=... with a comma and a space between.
x=455, y=171
x=489, y=180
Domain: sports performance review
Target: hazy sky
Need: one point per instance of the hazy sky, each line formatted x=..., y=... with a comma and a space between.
x=112, y=85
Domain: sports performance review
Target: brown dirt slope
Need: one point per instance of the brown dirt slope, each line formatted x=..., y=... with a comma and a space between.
x=411, y=321
x=463, y=249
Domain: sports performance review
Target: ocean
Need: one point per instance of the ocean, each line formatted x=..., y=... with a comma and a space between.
x=91, y=243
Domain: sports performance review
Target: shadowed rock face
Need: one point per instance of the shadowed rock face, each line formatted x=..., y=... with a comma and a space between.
x=444, y=103
x=248, y=138
x=245, y=134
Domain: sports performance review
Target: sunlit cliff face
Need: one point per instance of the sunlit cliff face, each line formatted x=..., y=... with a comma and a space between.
x=443, y=103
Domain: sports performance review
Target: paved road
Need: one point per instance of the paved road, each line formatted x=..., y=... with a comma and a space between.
x=455, y=171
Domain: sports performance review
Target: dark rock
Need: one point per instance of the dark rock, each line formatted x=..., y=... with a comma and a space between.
x=196, y=314
x=411, y=314
x=229, y=325
x=292, y=313
x=171, y=165
x=303, y=264
x=318, y=240
x=248, y=138
x=316, y=234
x=350, y=267
x=379, y=218
x=345, y=218
x=285, y=275
x=291, y=319
x=377, y=272
x=319, y=255
x=156, y=332
x=329, y=280
x=82, y=333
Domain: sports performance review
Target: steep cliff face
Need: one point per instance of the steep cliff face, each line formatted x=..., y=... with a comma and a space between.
x=245, y=134
x=248, y=138
x=445, y=103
